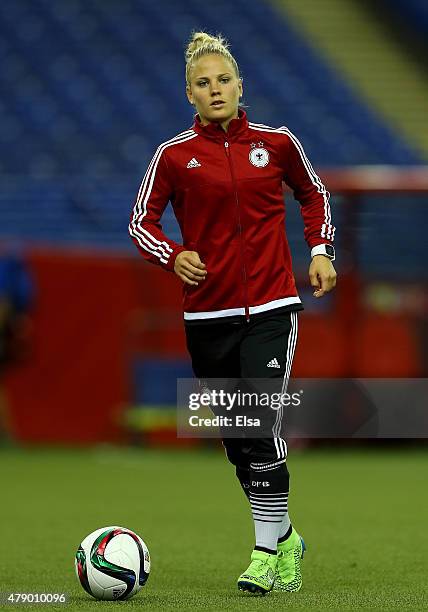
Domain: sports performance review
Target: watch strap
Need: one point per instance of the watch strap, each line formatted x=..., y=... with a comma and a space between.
x=324, y=249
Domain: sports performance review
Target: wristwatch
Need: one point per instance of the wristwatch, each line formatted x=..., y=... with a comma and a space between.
x=324, y=249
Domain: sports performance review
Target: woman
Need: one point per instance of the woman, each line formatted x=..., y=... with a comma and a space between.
x=224, y=179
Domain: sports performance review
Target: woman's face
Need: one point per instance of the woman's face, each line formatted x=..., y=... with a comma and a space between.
x=214, y=89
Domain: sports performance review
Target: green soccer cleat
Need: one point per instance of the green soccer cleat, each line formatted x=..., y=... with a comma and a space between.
x=259, y=577
x=288, y=576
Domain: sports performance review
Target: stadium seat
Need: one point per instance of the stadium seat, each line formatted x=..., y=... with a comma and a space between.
x=94, y=90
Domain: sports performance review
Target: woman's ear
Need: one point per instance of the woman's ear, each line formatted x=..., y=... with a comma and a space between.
x=189, y=95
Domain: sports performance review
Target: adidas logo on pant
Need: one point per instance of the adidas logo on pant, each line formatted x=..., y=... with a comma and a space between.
x=273, y=363
x=193, y=163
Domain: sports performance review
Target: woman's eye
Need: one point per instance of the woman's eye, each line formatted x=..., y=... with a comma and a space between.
x=225, y=80
x=202, y=83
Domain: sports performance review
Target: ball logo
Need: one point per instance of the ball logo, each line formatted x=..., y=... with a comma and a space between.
x=259, y=156
x=118, y=592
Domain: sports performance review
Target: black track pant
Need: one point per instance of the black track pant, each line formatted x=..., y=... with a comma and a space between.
x=244, y=350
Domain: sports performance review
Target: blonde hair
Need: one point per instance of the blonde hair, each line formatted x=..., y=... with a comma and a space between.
x=202, y=43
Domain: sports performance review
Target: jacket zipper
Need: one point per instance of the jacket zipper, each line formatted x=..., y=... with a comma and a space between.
x=244, y=271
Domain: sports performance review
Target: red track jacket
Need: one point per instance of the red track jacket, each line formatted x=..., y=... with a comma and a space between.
x=226, y=192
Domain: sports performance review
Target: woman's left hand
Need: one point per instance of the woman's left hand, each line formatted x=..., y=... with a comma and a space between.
x=322, y=275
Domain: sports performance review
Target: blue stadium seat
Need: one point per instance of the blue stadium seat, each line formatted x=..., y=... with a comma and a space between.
x=90, y=89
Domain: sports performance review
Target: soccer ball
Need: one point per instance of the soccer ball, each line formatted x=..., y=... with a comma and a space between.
x=112, y=563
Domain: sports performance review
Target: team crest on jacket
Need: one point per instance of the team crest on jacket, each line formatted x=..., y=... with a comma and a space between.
x=259, y=156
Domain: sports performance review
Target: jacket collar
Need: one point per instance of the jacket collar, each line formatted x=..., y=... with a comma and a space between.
x=215, y=131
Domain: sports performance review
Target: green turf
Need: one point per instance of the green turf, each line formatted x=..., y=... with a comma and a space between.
x=363, y=515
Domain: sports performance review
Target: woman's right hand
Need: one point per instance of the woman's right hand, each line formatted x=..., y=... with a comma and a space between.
x=189, y=267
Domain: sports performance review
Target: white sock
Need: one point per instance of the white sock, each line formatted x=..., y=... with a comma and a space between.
x=268, y=514
x=285, y=525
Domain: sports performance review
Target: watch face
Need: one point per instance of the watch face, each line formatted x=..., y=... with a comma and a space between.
x=329, y=250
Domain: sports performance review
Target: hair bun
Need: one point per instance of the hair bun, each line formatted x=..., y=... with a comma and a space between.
x=201, y=39
x=202, y=43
